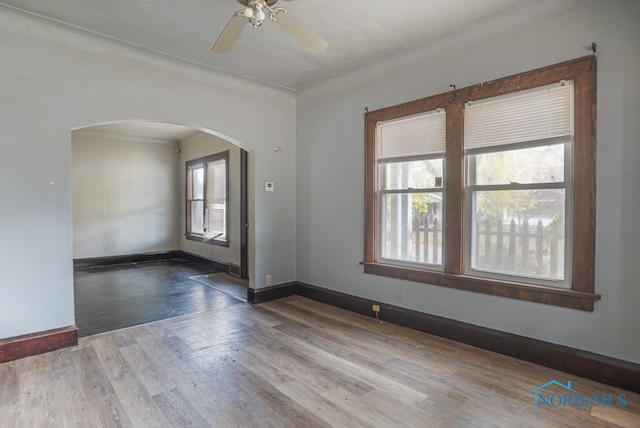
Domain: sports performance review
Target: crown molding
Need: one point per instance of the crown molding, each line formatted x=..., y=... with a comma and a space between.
x=39, y=29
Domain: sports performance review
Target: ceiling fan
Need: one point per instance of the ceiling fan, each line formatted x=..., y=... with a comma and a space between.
x=255, y=12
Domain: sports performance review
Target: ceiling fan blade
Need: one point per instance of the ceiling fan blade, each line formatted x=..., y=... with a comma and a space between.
x=230, y=34
x=302, y=32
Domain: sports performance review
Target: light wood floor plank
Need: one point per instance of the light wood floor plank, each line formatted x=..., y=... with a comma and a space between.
x=324, y=409
x=9, y=385
x=146, y=370
x=373, y=416
x=178, y=410
x=139, y=406
x=363, y=374
x=619, y=417
x=287, y=363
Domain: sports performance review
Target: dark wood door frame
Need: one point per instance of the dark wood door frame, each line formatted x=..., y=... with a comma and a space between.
x=244, y=219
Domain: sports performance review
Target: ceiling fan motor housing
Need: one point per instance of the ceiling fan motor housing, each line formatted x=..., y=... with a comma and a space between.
x=249, y=3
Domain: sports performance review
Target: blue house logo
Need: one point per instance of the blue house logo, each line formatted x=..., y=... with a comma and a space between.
x=569, y=397
x=548, y=399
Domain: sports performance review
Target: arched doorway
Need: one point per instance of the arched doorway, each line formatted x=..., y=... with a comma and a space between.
x=129, y=193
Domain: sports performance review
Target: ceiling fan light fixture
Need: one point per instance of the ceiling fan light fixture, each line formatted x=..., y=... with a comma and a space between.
x=254, y=13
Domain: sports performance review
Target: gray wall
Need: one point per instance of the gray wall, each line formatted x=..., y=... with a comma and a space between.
x=330, y=174
x=125, y=196
x=46, y=91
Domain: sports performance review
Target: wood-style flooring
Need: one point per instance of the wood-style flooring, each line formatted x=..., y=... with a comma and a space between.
x=111, y=297
x=292, y=362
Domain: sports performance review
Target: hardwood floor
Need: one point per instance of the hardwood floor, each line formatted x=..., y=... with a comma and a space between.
x=111, y=297
x=292, y=362
x=225, y=282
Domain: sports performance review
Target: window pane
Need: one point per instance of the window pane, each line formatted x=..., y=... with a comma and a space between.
x=419, y=174
x=197, y=217
x=216, y=180
x=197, y=182
x=216, y=220
x=519, y=232
x=529, y=165
x=411, y=227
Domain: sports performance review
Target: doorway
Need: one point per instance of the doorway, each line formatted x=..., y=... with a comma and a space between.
x=129, y=203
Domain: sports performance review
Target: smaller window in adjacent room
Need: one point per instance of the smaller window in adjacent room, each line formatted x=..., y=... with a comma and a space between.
x=207, y=203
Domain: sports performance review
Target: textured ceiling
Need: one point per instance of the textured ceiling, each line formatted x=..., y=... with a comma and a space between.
x=358, y=31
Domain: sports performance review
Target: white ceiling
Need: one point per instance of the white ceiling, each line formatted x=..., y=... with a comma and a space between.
x=358, y=31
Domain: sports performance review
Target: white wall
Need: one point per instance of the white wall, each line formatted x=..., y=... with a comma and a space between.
x=195, y=147
x=330, y=175
x=46, y=91
x=125, y=196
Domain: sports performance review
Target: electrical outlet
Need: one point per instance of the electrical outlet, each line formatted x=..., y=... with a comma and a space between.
x=376, y=308
x=400, y=296
x=268, y=279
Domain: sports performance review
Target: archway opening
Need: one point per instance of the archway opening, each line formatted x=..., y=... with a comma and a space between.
x=131, y=209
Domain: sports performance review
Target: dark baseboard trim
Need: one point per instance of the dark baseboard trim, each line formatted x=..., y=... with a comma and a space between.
x=126, y=258
x=273, y=292
x=194, y=258
x=149, y=257
x=607, y=370
x=14, y=348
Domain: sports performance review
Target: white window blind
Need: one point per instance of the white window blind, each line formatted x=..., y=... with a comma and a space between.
x=412, y=136
x=535, y=115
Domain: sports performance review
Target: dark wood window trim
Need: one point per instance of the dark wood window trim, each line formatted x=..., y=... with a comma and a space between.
x=204, y=160
x=581, y=295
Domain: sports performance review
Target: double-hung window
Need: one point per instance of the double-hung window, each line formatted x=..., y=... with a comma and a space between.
x=411, y=171
x=517, y=154
x=207, y=204
x=489, y=188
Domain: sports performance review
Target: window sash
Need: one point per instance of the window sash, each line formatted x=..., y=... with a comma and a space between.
x=410, y=238
x=529, y=249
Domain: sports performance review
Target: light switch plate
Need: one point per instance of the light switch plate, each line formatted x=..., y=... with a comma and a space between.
x=268, y=186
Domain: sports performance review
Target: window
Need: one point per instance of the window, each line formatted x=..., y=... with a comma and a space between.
x=411, y=170
x=517, y=151
x=476, y=188
x=207, y=189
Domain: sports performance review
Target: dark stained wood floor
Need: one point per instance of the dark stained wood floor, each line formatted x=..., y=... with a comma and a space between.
x=116, y=296
x=292, y=362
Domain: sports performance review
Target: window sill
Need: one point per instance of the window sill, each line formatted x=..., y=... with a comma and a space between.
x=513, y=290
x=210, y=242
